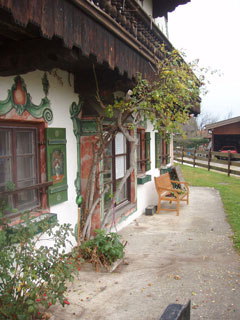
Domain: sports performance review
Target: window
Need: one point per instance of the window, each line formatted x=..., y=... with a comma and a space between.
x=143, y=151
x=140, y=152
x=162, y=151
x=116, y=163
x=18, y=168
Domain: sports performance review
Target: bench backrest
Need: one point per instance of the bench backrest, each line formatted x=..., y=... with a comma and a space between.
x=163, y=181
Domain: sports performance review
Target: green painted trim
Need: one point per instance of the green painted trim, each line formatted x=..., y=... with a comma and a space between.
x=88, y=127
x=158, y=150
x=56, y=165
x=43, y=110
x=144, y=179
x=148, y=150
x=53, y=189
x=75, y=110
x=132, y=211
x=57, y=141
x=50, y=218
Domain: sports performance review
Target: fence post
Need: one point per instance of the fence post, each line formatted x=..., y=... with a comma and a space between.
x=182, y=154
x=194, y=157
x=209, y=159
x=229, y=163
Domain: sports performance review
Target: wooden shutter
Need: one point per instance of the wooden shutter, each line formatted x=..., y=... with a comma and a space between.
x=168, y=145
x=158, y=150
x=147, y=150
x=56, y=165
x=168, y=152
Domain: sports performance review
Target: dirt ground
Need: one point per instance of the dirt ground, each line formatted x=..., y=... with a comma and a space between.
x=169, y=259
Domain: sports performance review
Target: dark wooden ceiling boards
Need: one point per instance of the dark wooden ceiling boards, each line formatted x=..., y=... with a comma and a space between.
x=70, y=34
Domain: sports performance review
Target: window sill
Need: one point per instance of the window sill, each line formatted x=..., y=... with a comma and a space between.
x=49, y=218
x=144, y=179
x=120, y=214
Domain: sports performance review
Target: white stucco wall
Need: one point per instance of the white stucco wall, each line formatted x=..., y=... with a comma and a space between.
x=162, y=25
x=61, y=95
x=145, y=194
x=146, y=5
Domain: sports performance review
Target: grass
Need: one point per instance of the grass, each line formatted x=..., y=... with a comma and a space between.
x=229, y=188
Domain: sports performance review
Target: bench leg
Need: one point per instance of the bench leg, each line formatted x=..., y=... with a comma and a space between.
x=159, y=206
x=178, y=205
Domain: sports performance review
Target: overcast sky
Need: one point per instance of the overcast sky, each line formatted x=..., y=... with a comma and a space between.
x=209, y=30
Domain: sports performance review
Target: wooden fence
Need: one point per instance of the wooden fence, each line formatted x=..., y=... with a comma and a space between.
x=224, y=162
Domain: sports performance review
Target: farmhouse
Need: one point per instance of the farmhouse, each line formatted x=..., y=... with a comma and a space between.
x=55, y=56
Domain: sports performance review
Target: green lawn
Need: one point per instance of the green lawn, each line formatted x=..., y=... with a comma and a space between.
x=229, y=188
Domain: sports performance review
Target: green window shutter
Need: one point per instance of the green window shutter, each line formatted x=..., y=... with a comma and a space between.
x=147, y=150
x=56, y=165
x=168, y=143
x=168, y=152
x=158, y=150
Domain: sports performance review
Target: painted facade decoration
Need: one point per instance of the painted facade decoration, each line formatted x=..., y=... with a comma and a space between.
x=19, y=99
x=57, y=166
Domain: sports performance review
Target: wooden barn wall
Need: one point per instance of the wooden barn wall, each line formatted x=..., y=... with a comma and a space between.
x=63, y=19
x=233, y=128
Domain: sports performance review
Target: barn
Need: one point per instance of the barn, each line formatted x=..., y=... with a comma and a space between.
x=225, y=133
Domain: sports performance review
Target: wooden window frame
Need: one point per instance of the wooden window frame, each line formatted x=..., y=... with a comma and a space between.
x=38, y=163
x=141, y=145
x=162, y=157
x=114, y=180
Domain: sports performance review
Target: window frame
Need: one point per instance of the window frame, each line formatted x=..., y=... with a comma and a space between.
x=142, y=145
x=162, y=151
x=13, y=127
x=113, y=181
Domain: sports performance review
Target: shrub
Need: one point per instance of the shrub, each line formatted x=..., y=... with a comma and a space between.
x=32, y=276
x=190, y=142
x=104, y=249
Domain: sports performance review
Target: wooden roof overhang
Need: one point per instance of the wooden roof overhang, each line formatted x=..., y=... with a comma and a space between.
x=162, y=7
x=72, y=33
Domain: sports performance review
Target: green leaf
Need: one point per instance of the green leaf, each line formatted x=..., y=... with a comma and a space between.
x=30, y=309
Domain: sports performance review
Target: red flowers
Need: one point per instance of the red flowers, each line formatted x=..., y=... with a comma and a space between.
x=50, y=303
x=38, y=300
x=66, y=302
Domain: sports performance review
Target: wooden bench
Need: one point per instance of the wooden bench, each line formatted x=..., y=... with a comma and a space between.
x=167, y=192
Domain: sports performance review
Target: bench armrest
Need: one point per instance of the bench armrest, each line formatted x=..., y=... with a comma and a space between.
x=175, y=191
